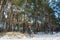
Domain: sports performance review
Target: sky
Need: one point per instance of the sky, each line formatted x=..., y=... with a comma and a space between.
x=55, y=0
x=56, y=9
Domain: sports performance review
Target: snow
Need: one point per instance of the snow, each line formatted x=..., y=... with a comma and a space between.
x=21, y=36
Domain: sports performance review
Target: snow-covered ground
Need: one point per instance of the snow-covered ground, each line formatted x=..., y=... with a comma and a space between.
x=21, y=36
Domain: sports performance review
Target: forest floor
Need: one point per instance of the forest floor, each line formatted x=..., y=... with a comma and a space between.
x=25, y=36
